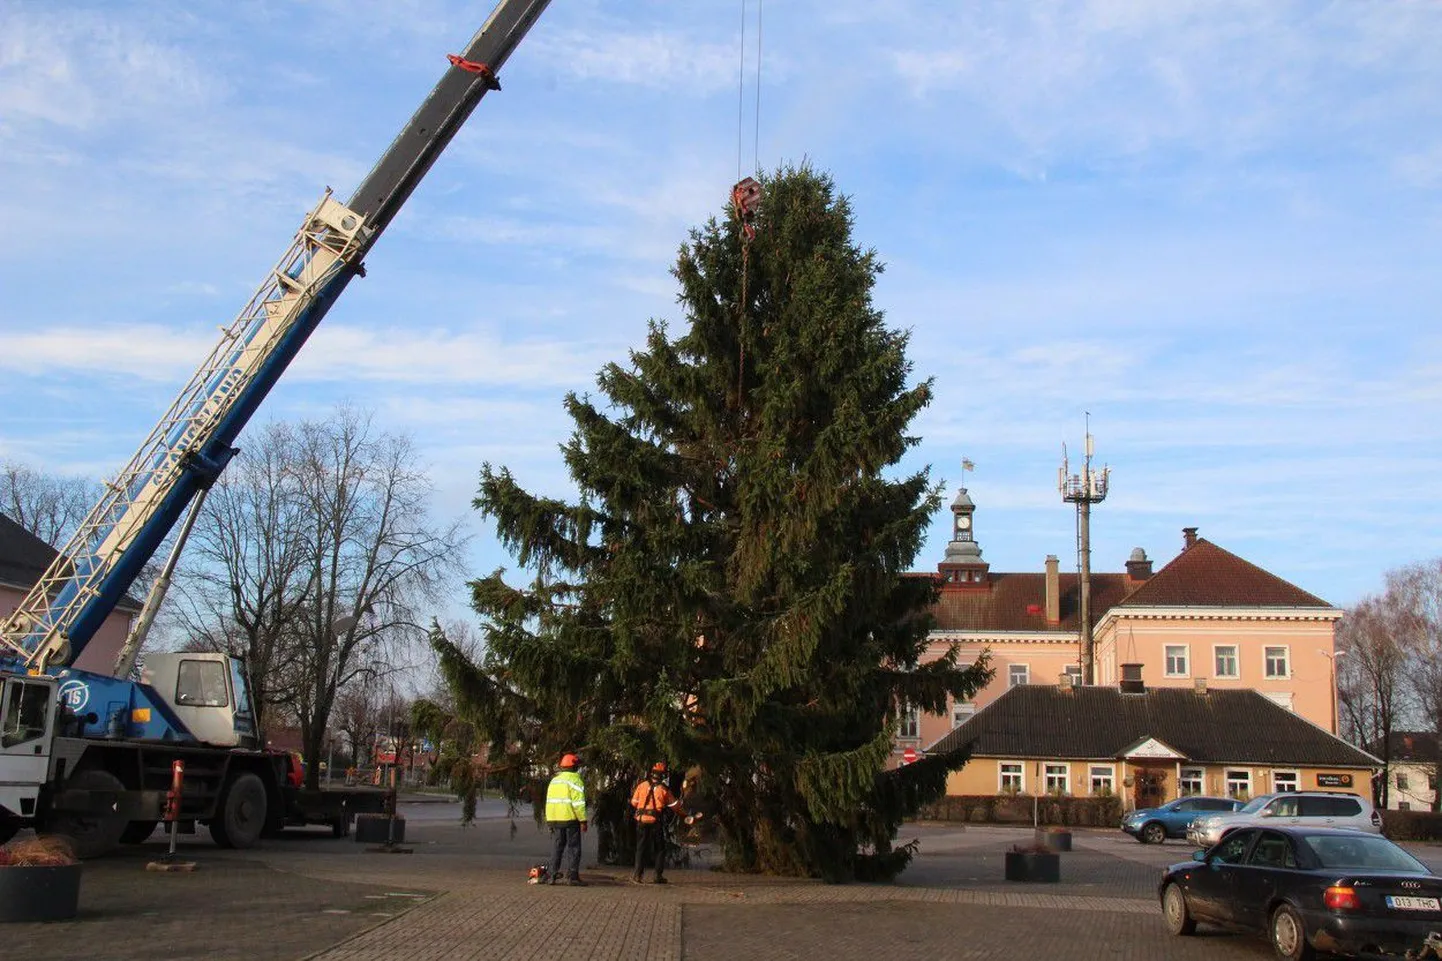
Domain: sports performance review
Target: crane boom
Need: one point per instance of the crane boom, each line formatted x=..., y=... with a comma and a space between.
x=191, y=444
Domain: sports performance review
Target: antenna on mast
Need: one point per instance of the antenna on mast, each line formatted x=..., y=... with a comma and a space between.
x=1084, y=489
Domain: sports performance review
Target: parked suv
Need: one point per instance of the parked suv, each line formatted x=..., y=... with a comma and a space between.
x=1319, y=809
x=1171, y=820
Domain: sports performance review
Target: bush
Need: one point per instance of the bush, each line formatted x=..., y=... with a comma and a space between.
x=1062, y=810
x=1412, y=825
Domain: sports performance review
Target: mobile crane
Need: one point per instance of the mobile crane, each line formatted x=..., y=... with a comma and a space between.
x=89, y=754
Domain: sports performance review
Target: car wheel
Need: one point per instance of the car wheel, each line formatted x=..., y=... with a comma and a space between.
x=1289, y=937
x=1174, y=909
x=1154, y=833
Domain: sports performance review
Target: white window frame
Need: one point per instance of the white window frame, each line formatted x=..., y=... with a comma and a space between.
x=961, y=712
x=1110, y=778
x=1049, y=776
x=1192, y=780
x=1186, y=650
x=910, y=719
x=1011, y=672
x=1017, y=769
x=1228, y=781
x=1286, y=662
x=1294, y=776
x=1217, y=650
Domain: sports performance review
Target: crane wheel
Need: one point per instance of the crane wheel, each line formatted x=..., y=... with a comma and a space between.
x=91, y=835
x=241, y=814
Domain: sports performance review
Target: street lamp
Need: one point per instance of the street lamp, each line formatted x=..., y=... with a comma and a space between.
x=1331, y=657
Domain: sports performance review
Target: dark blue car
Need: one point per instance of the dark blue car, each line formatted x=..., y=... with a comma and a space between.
x=1155, y=825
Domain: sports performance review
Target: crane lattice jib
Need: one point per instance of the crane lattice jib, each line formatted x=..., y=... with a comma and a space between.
x=191, y=445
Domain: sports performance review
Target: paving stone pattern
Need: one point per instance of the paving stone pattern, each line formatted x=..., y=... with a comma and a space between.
x=462, y=895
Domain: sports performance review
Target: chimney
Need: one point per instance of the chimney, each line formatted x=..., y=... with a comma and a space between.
x=1139, y=566
x=1132, y=679
x=1200, y=685
x=1189, y=538
x=1053, y=590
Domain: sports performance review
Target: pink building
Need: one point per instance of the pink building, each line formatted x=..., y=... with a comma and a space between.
x=24, y=559
x=1207, y=619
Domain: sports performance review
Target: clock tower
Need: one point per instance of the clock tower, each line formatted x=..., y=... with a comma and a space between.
x=963, y=566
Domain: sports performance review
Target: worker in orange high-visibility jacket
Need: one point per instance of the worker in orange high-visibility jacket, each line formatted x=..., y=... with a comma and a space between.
x=566, y=814
x=653, y=803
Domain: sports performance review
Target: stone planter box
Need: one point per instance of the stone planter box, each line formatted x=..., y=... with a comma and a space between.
x=49, y=893
x=1053, y=840
x=1039, y=867
x=376, y=829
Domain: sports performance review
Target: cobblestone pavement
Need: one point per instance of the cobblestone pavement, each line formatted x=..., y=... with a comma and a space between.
x=309, y=896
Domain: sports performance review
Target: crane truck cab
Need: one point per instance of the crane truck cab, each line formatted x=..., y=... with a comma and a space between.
x=28, y=709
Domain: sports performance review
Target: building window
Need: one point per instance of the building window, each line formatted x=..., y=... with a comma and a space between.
x=1191, y=781
x=910, y=722
x=1227, y=661
x=1432, y=782
x=1103, y=779
x=1403, y=806
x=1177, y=660
x=1011, y=782
x=960, y=712
x=1401, y=781
x=1277, y=662
x=1239, y=784
x=1017, y=674
x=1284, y=781
x=1056, y=779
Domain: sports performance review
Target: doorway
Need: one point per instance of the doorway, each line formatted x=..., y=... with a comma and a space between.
x=1149, y=786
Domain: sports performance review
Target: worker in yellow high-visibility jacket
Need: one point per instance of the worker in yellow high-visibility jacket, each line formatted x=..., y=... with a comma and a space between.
x=566, y=814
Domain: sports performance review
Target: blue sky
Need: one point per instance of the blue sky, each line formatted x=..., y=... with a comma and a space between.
x=1215, y=226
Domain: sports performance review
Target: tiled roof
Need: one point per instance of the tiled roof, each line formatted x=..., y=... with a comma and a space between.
x=1017, y=602
x=1205, y=575
x=1220, y=727
x=24, y=558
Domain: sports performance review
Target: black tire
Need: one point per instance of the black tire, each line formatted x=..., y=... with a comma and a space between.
x=1153, y=832
x=90, y=836
x=1176, y=913
x=1288, y=935
x=241, y=814
x=137, y=832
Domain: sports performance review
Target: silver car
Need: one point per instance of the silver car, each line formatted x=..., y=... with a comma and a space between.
x=1318, y=809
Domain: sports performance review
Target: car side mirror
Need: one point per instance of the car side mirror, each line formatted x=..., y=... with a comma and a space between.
x=1199, y=856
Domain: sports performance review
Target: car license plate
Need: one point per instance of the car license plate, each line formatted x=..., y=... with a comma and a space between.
x=1412, y=904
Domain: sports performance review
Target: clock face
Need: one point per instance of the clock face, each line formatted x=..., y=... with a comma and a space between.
x=963, y=522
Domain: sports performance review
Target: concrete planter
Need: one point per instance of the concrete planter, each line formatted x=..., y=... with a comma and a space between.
x=1053, y=840
x=376, y=829
x=1037, y=867
x=48, y=893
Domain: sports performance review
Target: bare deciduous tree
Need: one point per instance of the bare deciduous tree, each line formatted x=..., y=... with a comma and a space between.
x=243, y=585
x=50, y=506
x=1415, y=592
x=372, y=556
x=317, y=559
x=1371, y=679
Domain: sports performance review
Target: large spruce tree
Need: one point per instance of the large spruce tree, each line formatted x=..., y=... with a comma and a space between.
x=730, y=592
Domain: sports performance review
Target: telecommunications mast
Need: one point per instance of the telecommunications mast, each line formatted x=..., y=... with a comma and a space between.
x=1084, y=489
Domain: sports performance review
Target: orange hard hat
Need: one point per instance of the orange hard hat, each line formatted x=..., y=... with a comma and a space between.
x=569, y=760
x=659, y=767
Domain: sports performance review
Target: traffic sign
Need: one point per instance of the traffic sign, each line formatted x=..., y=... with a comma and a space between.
x=909, y=755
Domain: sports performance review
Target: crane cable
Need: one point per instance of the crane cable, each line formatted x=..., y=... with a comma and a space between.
x=746, y=194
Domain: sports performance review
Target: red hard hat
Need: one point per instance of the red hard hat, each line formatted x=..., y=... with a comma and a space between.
x=659, y=767
x=569, y=760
